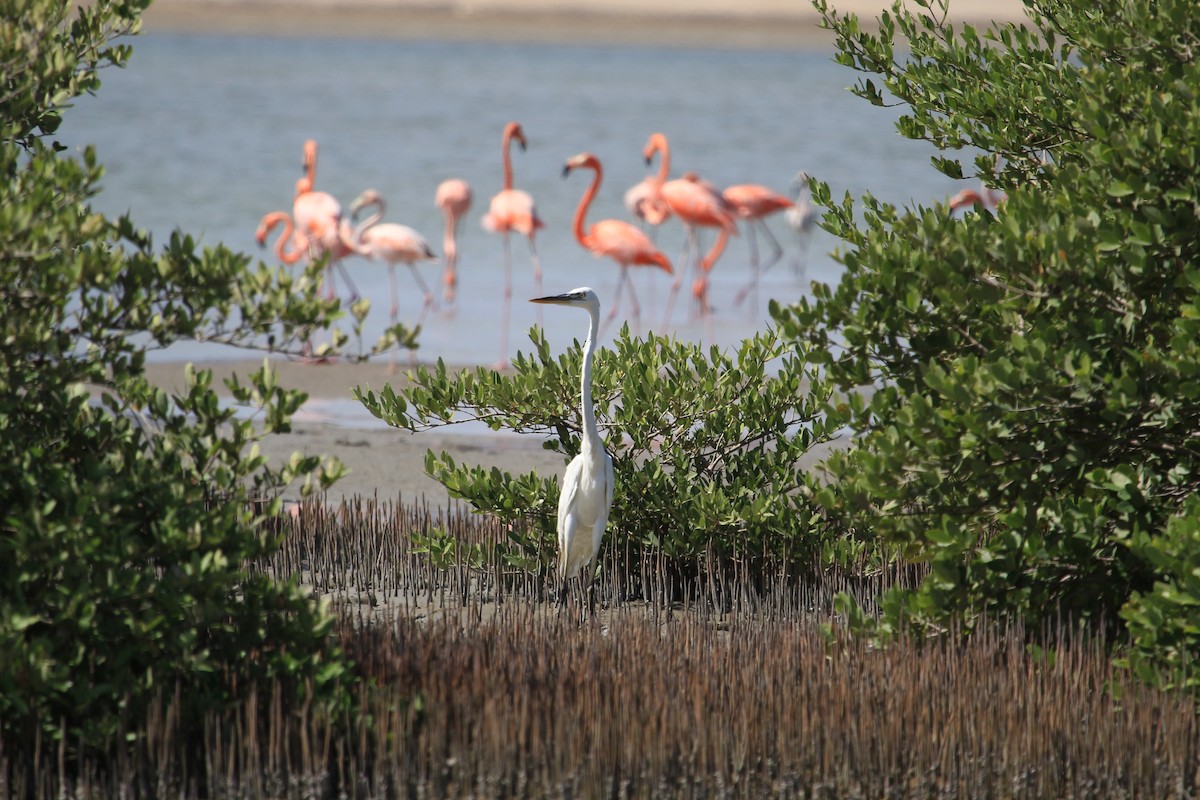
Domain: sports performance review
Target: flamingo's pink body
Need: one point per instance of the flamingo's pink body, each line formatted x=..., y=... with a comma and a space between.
x=318, y=219
x=989, y=198
x=392, y=244
x=318, y=216
x=644, y=201
x=697, y=204
x=289, y=247
x=752, y=203
x=613, y=238
x=453, y=197
x=513, y=210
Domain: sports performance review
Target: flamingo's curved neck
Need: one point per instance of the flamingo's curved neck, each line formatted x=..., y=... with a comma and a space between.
x=664, y=167
x=310, y=167
x=584, y=203
x=355, y=243
x=281, y=244
x=506, y=147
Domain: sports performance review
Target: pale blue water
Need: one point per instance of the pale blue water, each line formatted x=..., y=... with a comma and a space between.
x=205, y=133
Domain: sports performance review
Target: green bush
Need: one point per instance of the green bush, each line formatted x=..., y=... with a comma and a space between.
x=1164, y=621
x=706, y=447
x=127, y=515
x=1031, y=434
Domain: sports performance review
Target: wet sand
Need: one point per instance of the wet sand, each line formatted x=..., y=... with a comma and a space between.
x=701, y=23
x=383, y=462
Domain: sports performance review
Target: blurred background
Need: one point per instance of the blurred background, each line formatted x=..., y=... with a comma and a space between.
x=204, y=132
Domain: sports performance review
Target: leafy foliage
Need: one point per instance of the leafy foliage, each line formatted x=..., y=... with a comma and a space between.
x=1030, y=429
x=1163, y=620
x=129, y=513
x=707, y=447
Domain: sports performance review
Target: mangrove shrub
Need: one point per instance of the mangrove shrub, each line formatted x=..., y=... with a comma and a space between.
x=127, y=514
x=708, y=448
x=1032, y=429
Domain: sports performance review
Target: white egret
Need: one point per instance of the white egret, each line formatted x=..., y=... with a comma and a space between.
x=587, y=487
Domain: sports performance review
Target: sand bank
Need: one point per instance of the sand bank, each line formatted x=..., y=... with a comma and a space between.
x=383, y=462
x=725, y=23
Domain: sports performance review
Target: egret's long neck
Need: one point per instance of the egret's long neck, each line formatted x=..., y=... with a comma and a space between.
x=591, y=436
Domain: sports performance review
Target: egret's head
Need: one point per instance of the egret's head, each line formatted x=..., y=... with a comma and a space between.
x=582, y=297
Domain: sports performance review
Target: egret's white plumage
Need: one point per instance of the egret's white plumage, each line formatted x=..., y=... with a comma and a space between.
x=587, y=487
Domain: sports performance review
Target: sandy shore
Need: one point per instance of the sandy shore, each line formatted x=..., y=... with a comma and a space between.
x=744, y=23
x=383, y=462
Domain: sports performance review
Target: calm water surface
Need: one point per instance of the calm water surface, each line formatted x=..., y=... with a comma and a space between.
x=204, y=133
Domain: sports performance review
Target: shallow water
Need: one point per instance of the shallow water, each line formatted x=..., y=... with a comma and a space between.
x=204, y=133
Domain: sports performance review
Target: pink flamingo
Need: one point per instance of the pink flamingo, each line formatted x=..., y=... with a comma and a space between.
x=614, y=238
x=644, y=201
x=318, y=218
x=390, y=243
x=453, y=197
x=754, y=203
x=290, y=247
x=513, y=210
x=697, y=204
x=989, y=198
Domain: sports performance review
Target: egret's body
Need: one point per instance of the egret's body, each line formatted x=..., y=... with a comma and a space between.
x=587, y=487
